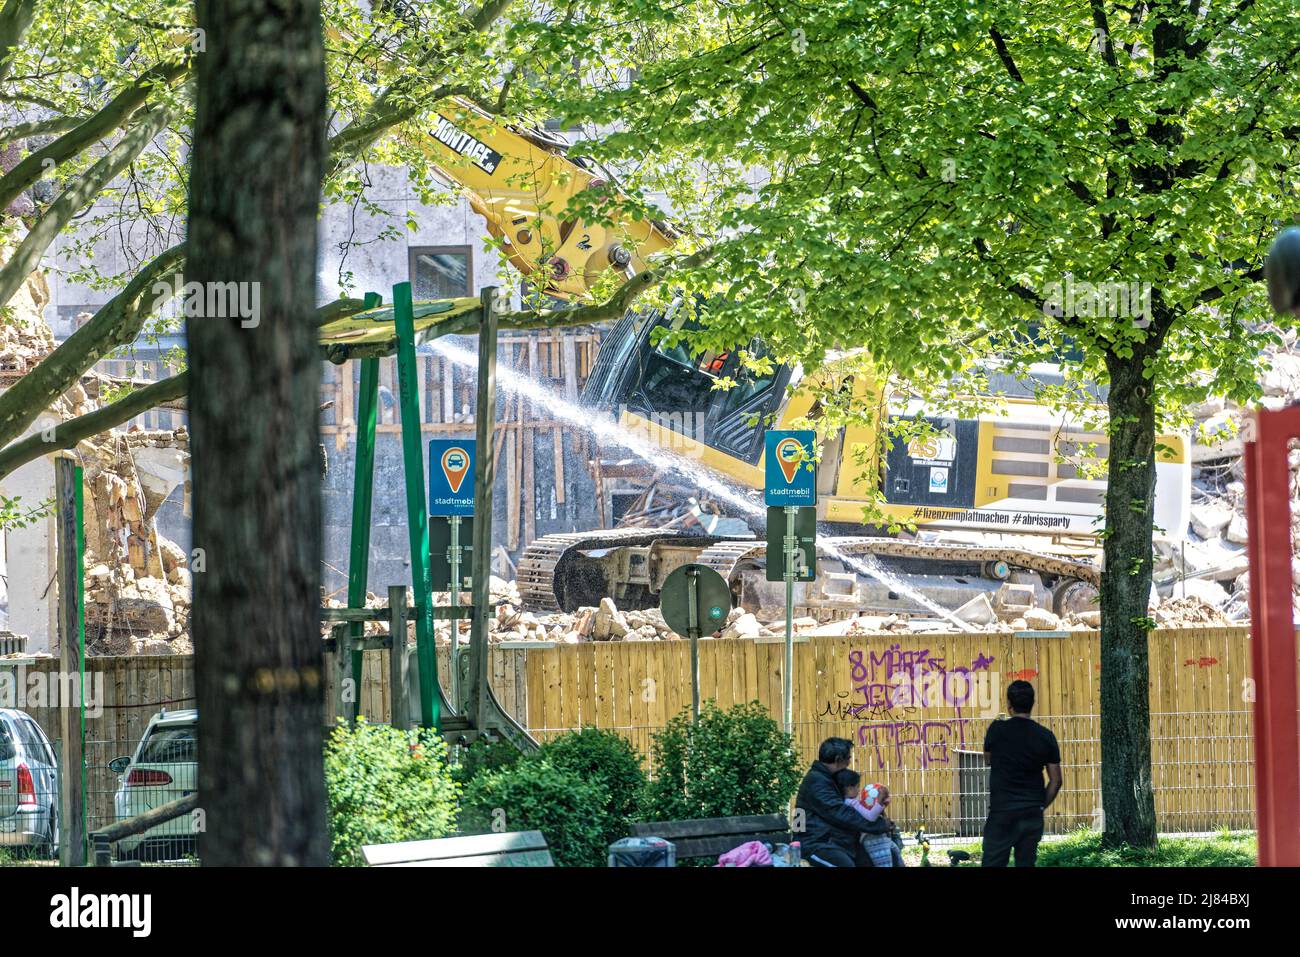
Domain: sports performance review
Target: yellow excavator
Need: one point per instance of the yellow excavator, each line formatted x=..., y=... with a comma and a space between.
x=1005, y=504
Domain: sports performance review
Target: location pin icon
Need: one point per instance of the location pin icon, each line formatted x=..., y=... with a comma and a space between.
x=789, y=454
x=455, y=465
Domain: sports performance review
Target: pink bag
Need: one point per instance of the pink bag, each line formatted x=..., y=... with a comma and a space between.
x=752, y=854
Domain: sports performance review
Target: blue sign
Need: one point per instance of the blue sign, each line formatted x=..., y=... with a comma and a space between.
x=790, y=474
x=451, y=476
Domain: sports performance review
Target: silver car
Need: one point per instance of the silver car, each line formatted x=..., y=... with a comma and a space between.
x=29, y=785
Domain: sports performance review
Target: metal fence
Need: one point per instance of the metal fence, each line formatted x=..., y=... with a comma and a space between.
x=1202, y=774
x=167, y=769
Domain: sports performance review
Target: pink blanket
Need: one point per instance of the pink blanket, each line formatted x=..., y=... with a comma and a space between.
x=752, y=854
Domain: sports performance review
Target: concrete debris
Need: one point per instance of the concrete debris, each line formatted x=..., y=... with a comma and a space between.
x=977, y=611
x=745, y=626
x=1208, y=568
x=1040, y=619
x=1189, y=611
x=1209, y=520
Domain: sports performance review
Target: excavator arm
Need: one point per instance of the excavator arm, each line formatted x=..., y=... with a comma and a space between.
x=521, y=181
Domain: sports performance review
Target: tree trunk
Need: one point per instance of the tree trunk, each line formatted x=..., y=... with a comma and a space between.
x=1127, y=801
x=259, y=141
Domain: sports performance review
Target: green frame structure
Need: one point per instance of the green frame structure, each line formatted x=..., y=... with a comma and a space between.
x=397, y=330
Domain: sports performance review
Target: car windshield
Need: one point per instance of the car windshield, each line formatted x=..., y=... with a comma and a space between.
x=7, y=749
x=170, y=745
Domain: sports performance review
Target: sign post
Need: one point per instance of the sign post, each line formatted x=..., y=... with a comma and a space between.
x=790, y=483
x=693, y=598
x=451, y=497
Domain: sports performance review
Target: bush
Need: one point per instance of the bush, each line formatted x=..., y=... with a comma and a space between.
x=386, y=785
x=484, y=755
x=732, y=762
x=607, y=759
x=535, y=795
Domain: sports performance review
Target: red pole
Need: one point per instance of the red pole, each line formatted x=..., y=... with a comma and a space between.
x=1273, y=636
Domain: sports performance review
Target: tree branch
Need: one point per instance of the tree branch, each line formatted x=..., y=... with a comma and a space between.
x=15, y=18
x=117, y=323
x=612, y=308
x=116, y=113
x=1217, y=292
x=78, y=194
x=57, y=124
x=67, y=434
x=393, y=105
x=1005, y=56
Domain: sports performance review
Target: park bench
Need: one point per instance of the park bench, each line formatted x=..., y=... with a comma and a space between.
x=516, y=849
x=710, y=837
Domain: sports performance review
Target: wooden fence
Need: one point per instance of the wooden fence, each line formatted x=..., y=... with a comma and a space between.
x=912, y=704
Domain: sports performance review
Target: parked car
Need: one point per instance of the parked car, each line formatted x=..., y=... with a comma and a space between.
x=29, y=785
x=163, y=768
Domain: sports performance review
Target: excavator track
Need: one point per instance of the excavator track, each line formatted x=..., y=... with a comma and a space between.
x=541, y=576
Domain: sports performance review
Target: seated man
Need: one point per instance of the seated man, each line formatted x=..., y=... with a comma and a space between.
x=827, y=828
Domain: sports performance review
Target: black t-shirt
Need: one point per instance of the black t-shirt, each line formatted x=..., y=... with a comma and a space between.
x=1020, y=747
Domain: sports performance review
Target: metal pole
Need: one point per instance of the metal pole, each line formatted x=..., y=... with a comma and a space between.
x=477, y=693
x=693, y=617
x=72, y=813
x=791, y=569
x=453, y=556
x=363, y=489
x=417, y=513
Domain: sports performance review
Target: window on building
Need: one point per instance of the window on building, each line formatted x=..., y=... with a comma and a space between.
x=441, y=272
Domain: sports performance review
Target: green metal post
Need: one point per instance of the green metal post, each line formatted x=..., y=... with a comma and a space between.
x=792, y=555
x=363, y=488
x=78, y=498
x=693, y=616
x=417, y=513
x=453, y=557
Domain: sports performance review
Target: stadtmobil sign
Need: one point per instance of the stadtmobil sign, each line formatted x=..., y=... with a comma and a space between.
x=790, y=477
x=451, y=477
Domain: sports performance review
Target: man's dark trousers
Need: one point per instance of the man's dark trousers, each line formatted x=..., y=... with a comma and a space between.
x=1007, y=830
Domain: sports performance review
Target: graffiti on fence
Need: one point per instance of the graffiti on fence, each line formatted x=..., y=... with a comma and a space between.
x=890, y=689
x=900, y=744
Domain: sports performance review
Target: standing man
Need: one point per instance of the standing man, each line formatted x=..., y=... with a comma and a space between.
x=831, y=830
x=1018, y=750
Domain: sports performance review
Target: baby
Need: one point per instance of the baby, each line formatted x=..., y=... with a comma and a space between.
x=883, y=843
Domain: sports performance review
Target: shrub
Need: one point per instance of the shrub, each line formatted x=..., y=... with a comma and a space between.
x=535, y=795
x=607, y=759
x=484, y=755
x=732, y=762
x=386, y=785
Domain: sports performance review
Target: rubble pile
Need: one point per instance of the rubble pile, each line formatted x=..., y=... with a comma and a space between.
x=25, y=339
x=1210, y=564
x=607, y=622
x=137, y=580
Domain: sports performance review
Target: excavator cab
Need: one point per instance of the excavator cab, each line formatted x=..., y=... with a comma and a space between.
x=675, y=387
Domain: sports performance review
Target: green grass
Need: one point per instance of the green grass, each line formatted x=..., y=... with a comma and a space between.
x=1083, y=849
